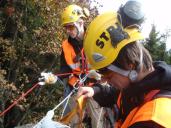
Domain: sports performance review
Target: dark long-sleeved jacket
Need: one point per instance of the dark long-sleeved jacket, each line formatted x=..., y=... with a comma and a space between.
x=133, y=96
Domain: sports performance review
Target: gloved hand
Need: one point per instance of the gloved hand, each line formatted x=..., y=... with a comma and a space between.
x=49, y=78
x=94, y=75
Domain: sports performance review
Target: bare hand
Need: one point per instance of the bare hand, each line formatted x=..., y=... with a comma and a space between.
x=85, y=92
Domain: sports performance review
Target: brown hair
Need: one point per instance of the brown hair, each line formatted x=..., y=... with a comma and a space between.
x=131, y=54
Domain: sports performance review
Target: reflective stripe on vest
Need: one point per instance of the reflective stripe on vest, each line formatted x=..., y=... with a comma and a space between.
x=156, y=110
x=73, y=80
x=70, y=55
x=75, y=66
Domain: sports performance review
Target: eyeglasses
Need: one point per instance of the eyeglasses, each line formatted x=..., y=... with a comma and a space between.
x=70, y=27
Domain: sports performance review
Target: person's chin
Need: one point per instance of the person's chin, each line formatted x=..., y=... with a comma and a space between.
x=73, y=36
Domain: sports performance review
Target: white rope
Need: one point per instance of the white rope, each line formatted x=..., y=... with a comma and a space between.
x=65, y=107
x=47, y=121
x=64, y=100
x=81, y=81
x=99, y=119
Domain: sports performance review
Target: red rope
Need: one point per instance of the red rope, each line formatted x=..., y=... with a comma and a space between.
x=84, y=63
x=25, y=94
x=20, y=98
x=63, y=74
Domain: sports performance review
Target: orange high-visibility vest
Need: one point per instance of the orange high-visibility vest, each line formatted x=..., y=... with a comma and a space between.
x=157, y=110
x=70, y=55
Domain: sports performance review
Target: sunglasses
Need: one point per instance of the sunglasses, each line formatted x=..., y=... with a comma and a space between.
x=69, y=27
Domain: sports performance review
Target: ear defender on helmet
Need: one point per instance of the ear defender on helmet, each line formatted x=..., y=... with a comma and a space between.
x=105, y=37
x=131, y=13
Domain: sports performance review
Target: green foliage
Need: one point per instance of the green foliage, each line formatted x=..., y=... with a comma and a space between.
x=30, y=42
x=156, y=45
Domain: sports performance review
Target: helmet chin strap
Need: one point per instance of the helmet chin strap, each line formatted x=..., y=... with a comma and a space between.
x=141, y=60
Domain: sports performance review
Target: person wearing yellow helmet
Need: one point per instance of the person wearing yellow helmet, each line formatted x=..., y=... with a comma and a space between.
x=139, y=89
x=72, y=19
x=73, y=22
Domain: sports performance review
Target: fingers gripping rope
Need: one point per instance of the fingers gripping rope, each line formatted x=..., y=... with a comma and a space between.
x=80, y=81
x=47, y=121
x=76, y=87
x=42, y=82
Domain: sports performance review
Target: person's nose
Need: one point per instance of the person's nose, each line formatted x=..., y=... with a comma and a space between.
x=67, y=30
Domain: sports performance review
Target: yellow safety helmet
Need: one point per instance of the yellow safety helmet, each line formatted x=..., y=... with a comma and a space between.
x=71, y=14
x=105, y=37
